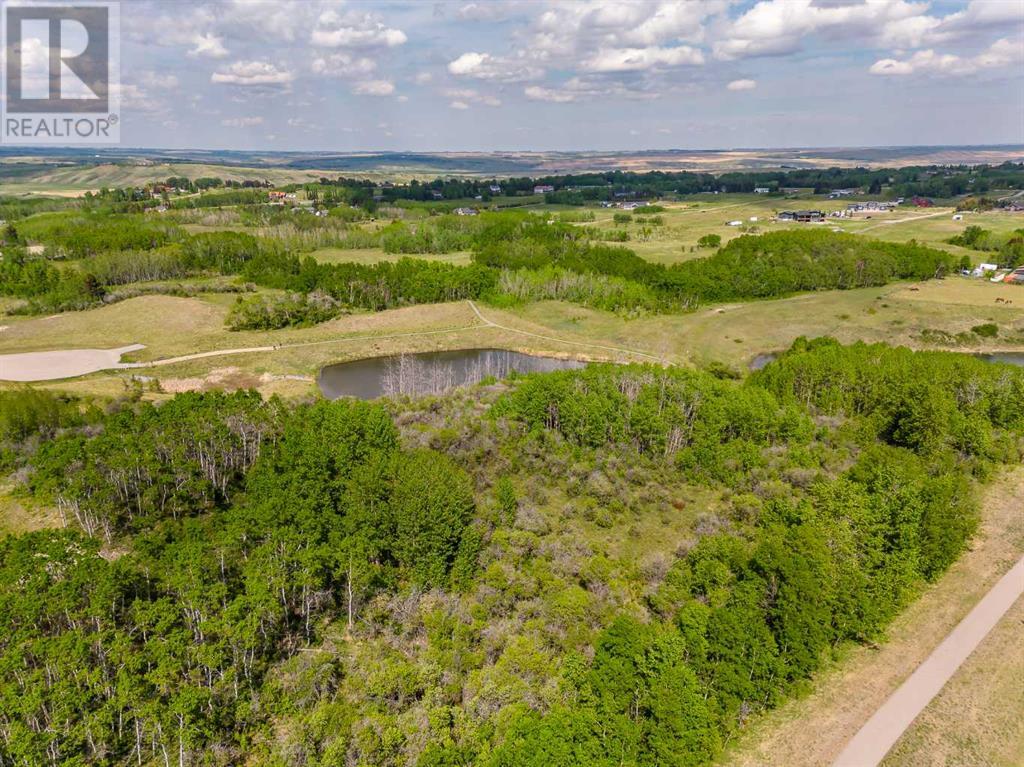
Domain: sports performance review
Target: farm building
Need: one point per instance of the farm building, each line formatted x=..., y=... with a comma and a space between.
x=803, y=216
x=543, y=189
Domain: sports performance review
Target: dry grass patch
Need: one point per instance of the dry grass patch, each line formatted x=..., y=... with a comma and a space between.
x=976, y=721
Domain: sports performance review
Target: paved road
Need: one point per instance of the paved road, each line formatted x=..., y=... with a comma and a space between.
x=879, y=734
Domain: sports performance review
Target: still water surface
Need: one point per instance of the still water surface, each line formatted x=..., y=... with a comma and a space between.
x=429, y=372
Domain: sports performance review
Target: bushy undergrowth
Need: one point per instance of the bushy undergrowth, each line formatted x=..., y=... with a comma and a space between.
x=499, y=577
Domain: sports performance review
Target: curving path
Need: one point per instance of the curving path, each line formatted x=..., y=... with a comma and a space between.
x=879, y=734
x=69, y=363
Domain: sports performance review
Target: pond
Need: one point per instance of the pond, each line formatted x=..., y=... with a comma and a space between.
x=429, y=372
x=762, y=359
x=1013, y=358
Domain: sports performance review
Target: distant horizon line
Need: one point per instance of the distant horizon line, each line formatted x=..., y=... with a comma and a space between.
x=101, y=148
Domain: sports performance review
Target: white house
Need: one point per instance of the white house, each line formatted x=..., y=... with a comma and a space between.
x=543, y=189
x=958, y=217
x=762, y=190
x=735, y=223
x=984, y=269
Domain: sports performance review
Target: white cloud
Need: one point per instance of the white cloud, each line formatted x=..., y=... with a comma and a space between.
x=554, y=95
x=208, y=45
x=1002, y=54
x=374, y=88
x=484, y=66
x=241, y=122
x=742, y=85
x=343, y=64
x=422, y=78
x=158, y=80
x=586, y=88
x=136, y=99
x=458, y=105
x=468, y=96
x=354, y=31
x=776, y=27
x=638, y=59
x=252, y=73
x=567, y=31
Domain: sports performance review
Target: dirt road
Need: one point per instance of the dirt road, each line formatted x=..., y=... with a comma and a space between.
x=66, y=363
x=880, y=733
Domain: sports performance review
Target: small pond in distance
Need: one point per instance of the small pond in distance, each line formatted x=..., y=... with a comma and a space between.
x=1013, y=358
x=429, y=372
x=761, y=360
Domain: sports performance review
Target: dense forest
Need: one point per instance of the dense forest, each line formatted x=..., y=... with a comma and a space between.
x=430, y=582
x=930, y=181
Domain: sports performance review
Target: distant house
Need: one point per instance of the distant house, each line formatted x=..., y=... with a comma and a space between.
x=870, y=205
x=837, y=193
x=762, y=190
x=495, y=189
x=803, y=216
x=958, y=217
x=543, y=189
x=437, y=195
x=921, y=202
x=735, y=223
x=753, y=218
x=276, y=195
x=984, y=269
x=466, y=212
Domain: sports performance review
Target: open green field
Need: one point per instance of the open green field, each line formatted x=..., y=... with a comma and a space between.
x=920, y=316
x=933, y=227
x=376, y=255
x=732, y=334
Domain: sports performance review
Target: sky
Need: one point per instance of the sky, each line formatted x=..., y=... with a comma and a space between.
x=503, y=75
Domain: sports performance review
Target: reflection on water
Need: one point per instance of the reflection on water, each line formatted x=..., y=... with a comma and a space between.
x=1014, y=358
x=429, y=372
x=761, y=360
